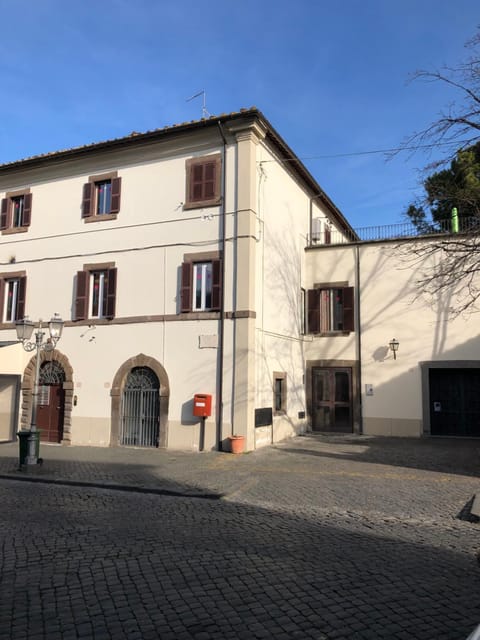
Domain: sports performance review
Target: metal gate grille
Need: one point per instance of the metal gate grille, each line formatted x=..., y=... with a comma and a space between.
x=140, y=409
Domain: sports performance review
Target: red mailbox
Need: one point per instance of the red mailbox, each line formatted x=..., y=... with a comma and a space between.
x=202, y=405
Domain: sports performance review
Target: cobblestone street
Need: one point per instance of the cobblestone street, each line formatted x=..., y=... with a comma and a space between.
x=320, y=537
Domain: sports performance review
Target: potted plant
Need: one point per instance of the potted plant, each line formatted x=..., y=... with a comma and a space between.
x=237, y=443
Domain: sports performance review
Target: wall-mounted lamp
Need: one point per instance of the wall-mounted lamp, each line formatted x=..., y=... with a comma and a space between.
x=394, y=344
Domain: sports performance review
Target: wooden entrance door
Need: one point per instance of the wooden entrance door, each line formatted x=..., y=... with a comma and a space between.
x=332, y=399
x=455, y=402
x=51, y=402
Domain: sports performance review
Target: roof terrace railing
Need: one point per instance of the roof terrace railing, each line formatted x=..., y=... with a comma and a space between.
x=394, y=231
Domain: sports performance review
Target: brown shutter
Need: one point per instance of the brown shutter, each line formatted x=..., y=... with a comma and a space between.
x=216, y=284
x=313, y=311
x=4, y=214
x=111, y=292
x=328, y=235
x=348, y=309
x=186, y=287
x=81, y=299
x=115, y=201
x=2, y=300
x=196, y=182
x=22, y=289
x=88, y=198
x=209, y=180
x=27, y=210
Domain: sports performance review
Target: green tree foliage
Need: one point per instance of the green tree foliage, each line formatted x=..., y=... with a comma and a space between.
x=458, y=186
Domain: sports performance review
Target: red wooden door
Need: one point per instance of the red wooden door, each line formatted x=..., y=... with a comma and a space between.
x=51, y=401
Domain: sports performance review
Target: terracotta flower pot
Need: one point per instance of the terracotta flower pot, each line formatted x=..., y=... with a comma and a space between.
x=237, y=444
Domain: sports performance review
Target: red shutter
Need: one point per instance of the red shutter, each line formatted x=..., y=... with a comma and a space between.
x=186, y=288
x=27, y=210
x=4, y=214
x=313, y=311
x=22, y=289
x=88, y=198
x=115, y=201
x=81, y=299
x=348, y=309
x=216, y=284
x=111, y=292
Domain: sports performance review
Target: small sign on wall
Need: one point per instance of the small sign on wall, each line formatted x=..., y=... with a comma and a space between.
x=369, y=389
x=437, y=407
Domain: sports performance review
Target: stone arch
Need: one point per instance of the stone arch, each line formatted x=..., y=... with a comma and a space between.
x=141, y=360
x=27, y=390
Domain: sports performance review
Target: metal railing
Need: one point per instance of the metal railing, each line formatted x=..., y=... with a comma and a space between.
x=393, y=232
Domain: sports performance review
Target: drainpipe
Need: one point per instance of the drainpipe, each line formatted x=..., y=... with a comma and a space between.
x=358, y=334
x=222, y=293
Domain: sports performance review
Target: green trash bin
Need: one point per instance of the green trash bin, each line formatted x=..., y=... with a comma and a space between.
x=23, y=437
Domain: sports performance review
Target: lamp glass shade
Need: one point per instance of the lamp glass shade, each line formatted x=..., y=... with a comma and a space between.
x=394, y=345
x=55, y=326
x=24, y=329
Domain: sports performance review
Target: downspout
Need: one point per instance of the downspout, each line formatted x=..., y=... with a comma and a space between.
x=358, y=335
x=222, y=293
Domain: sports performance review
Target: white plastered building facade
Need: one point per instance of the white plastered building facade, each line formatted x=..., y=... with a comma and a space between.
x=203, y=259
x=175, y=259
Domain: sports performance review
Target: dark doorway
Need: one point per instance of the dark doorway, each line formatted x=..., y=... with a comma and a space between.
x=51, y=402
x=140, y=414
x=332, y=399
x=455, y=402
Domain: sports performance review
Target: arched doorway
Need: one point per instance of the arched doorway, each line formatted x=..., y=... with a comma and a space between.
x=51, y=401
x=140, y=410
x=50, y=376
x=119, y=385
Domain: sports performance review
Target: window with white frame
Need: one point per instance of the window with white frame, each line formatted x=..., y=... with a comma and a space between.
x=12, y=297
x=96, y=292
x=202, y=289
x=201, y=282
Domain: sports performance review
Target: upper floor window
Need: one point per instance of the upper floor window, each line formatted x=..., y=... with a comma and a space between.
x=101, y=197
x=203, y=181
x=12, y=296
x=201, y=282
x=96, y=292
x=16, y=210
x=330, y=309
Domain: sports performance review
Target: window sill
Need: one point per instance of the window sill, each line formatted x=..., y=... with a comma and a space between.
x=12, y=230
x=202, y=204
x=330, y=334
x=102, y=217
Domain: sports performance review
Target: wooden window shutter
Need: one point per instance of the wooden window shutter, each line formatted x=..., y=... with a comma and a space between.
x=116, y=188
x=88, y=199
x=209, y=181
x=186, y=287
x=4, y=214
x=348, y=309
x=2, y=299
x=196, y=182
x=313, y=310
x=111, y=292
x=81, y=299
x=216, y=284
x=22, y=290
x=27, y=209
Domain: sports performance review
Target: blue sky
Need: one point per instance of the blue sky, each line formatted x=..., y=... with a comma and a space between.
x=332, y=78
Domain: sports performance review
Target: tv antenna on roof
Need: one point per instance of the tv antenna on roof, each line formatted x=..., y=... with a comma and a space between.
x=205, y=113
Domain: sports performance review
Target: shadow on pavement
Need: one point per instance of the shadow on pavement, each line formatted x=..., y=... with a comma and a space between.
x=444, y=455
x=100, y=564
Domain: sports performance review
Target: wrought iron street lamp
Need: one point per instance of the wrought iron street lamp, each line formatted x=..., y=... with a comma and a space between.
x=25, y=329
x=394, y=344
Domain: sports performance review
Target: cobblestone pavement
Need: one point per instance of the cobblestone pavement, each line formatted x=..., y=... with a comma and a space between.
x=319, y=537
